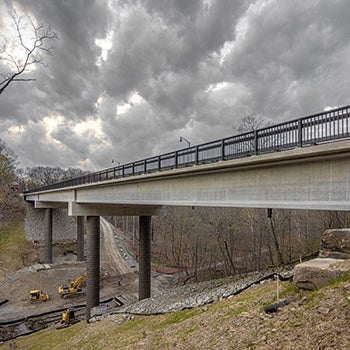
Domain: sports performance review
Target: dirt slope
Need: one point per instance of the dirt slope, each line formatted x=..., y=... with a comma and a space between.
x=319, y=320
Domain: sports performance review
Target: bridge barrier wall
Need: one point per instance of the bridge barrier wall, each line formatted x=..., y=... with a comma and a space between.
x=64, y=226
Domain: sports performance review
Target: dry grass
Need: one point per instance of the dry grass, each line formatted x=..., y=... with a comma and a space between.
x=13, y=246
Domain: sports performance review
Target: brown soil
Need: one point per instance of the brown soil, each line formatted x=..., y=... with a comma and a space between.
x=317, y=321
x=37, y=275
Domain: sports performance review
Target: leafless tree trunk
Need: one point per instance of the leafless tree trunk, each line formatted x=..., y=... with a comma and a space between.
x=276, y=243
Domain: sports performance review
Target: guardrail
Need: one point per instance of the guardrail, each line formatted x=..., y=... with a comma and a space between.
x=307, y=131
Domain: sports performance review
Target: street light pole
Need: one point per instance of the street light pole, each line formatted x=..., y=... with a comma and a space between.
x=184, y=139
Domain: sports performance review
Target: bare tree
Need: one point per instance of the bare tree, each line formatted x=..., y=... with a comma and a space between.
x=30, y=49
x=248, y=125
x=251, y=122
x=10, y=204
x=8, y=163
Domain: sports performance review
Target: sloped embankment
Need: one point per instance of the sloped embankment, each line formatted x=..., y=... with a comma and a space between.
x=319, y=320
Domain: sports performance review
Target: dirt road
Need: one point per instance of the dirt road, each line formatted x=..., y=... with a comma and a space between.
x=110, y=252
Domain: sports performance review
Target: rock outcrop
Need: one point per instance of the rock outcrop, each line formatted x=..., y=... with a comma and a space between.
x=332, y=263
x=335, y=244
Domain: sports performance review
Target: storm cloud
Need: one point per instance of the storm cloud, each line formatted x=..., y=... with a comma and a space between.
x=127, y=78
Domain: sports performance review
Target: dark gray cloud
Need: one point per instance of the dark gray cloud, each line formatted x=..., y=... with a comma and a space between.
x=127, y=78
x=290, y=49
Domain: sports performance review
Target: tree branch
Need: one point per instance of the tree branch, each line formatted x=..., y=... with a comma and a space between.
x=42, y=41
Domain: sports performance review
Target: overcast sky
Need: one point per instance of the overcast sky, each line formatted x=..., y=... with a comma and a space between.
x=128, y=78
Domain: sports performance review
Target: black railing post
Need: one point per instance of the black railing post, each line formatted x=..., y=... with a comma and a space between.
x=159, y=163
x=145, y=166
x=223, y=149
x=133, y=168
x=300, y=133
x=256, y=144
x=196, y=155
x=175, y=160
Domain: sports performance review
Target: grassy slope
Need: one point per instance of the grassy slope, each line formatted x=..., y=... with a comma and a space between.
x=236, y=323
x=13, y=246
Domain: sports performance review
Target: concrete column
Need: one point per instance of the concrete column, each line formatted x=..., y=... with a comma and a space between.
x=48, y=236
x=145, y=258
x=92, y=264
x=80, y=238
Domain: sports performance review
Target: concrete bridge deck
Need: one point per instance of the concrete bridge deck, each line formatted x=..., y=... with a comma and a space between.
x=315, y=177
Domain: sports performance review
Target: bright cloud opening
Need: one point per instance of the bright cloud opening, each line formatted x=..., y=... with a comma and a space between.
x=134, y=99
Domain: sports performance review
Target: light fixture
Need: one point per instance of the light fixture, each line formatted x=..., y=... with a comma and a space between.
x=184, y=139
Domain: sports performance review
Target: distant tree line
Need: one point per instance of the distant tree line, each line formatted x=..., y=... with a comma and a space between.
x=10, y=205
x=14, y=180
x=208, y=242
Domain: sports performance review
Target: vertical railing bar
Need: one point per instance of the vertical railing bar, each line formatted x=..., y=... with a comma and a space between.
x=223, y=149
x=256, y=142
x=300, y=133
x=176, y=160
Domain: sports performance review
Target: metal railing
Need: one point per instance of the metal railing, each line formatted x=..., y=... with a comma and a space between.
x=307, y=131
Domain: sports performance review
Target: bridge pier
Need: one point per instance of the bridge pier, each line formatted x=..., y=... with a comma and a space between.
x=145, y=258
x=80, y=238
x=92, y=264
x=48, y=236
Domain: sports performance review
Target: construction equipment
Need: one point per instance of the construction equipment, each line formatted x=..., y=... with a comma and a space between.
x=68, y=318
x=38, y=295
x=73, y=289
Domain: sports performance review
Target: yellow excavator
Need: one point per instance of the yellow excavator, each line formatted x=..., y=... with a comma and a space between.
x=38, y=295
x=73, y=289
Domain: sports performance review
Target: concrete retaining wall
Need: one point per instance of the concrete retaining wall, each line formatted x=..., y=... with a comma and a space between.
x=64, y=226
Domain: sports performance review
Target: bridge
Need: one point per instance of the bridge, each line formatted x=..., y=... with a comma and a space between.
x=301, y=164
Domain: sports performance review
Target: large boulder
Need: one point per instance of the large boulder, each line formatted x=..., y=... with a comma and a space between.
x=316, y=273
x=335, y=243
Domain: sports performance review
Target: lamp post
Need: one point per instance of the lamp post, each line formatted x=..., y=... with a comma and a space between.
x=118, y=163
x=184, y=139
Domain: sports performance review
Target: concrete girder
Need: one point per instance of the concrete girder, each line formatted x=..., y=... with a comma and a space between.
x=52, y=205
x=100, y=209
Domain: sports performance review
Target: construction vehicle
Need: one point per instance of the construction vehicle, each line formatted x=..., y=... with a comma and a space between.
x=38, y=295
x=73, y=289
x=68, y=318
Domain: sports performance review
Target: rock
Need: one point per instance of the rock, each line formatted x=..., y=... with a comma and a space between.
x=316, y=273
x=335, y=244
